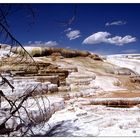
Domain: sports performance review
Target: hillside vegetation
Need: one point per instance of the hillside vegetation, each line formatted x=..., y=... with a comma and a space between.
x=58, y=52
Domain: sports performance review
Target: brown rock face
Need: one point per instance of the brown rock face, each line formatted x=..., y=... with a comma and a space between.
x=71, y=69
x=46, y=72
x=95, y=57
x=115, y=102
x=62, y=74
x=135, y=79
x=51, y=79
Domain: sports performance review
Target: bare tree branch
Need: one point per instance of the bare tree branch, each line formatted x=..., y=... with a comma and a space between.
x=70, y=20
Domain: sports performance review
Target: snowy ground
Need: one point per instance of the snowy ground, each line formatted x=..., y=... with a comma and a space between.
x=131, y=61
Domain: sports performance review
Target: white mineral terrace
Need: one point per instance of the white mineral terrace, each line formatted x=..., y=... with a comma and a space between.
x=71, y=111
x=131, y=61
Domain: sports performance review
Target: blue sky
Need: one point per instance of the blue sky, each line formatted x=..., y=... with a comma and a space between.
x=100, y=28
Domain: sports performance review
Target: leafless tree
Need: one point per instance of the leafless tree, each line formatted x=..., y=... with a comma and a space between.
x=6, y=36
x=15, y=109
x=70, y=20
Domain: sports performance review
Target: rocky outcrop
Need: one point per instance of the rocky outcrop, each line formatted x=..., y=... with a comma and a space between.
x=22, y=84
x=116, y=102
x=62, y=74
x=119, y=71
x=47, y=72
x=76, y=79
x=135, y=79
x=95, y=57
x=124, y=71
x=70, y=69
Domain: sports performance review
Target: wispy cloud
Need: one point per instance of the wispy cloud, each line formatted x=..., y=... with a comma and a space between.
x=51, y=43
x=104, y=37
x=67, y=30
x=130, y=51
x=48, y=43
x=73, y=34
x=115, y=23
x=37, y=42
x=29, y=42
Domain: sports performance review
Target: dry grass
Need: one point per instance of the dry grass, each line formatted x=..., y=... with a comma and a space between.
x=36, y=52
x=47, y=51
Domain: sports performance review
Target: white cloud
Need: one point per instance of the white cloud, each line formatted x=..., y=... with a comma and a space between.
x=40, y=43
x=118, y=40
x=104, y=37
x=51, y=43
x=29, y=42
x=73, y=34
x=115, y=23
x=37, y=42
x=130, y=51
x=96, y=38
x=67, y=30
